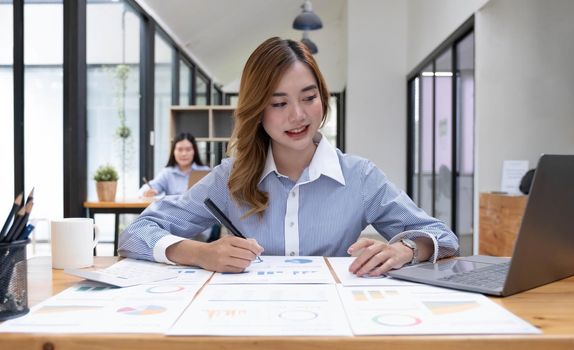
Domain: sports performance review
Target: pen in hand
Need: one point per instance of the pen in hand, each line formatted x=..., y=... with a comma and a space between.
x=150, y=192
x=218, y=214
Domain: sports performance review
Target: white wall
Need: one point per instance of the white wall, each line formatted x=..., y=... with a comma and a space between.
x=386, y=39
x=376, y=85
x=524, y=83
x=431, y=22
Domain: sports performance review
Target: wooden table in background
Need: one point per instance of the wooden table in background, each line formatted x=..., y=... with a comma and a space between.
x=550, y=308
x=135, y=206
x=500, y=217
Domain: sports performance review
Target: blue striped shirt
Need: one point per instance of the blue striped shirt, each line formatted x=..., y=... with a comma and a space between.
x=321, y=214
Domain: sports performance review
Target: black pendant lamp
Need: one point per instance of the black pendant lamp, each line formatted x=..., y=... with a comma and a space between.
x=310, y=45
x=307, y=20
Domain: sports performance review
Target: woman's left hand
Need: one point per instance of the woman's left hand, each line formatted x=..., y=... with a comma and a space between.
x=375, y=258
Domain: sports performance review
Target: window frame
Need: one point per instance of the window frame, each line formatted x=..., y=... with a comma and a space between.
x=75, y=96
x=450, y=43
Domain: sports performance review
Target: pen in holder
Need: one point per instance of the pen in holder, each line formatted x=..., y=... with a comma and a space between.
x=13, y=279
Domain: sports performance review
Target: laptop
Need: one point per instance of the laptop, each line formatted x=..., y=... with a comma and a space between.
x=544, y=248
x=195, y=176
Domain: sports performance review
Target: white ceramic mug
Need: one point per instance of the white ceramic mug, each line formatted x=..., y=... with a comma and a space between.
x=73, y=242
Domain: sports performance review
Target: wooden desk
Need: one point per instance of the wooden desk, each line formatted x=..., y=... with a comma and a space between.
x=549, y=308
x=135, y=206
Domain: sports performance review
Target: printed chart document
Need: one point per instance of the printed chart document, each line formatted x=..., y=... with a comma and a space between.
x=264, y=310
x=280, y=269
x=130, y=272
x=92, y=307
x=341, y=267
x=394, y=310
x=187, y=274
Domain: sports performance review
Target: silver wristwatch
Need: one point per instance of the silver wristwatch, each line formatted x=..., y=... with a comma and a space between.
x=411, y=244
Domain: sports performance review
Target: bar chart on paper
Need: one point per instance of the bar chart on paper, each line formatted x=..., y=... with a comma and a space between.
x=380, y=310
x=265, y=309
x=280, y=269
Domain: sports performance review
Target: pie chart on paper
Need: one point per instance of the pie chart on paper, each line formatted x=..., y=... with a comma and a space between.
x=142, y=310
x=299, y=261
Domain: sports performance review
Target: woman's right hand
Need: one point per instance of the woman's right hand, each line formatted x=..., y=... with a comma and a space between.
x=150, y=193
x=227, y=254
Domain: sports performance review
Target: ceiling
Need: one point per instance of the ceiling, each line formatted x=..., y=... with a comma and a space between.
x=221, y=34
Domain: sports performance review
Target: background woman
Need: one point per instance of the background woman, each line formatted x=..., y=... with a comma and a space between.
x=183, y=159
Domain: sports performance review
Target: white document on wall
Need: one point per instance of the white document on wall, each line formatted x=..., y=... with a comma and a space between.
x=341, y=267
x=394, y=310
x=512, y=173
x=280, y=269
x=92, y=307
x=264, y=310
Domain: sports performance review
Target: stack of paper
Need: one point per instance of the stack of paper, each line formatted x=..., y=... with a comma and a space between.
x=279, y=296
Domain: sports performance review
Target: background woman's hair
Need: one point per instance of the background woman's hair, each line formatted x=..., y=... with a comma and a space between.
x=249, y=141
x=184, y=136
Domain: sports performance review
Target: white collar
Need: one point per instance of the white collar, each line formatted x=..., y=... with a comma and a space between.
x=324, y=162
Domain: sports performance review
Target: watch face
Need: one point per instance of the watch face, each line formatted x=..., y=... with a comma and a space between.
x=409, y=243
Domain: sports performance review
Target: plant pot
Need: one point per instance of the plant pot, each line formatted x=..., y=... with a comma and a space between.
x=106, y=190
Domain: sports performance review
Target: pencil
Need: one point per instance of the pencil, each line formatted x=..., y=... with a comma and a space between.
x=22, y=225
x=15, y=207
x=17, y=219
x=26, y=232
x=30, y=196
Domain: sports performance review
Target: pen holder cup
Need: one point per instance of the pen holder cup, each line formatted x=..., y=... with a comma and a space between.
x=13, y=280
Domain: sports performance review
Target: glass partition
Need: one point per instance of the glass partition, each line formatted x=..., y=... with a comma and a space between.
x=216, y=96
x=43, y=108
x=184, y=84
x=443, y=122
x=330, y=127
x=113, y=44
x=201, y=84
x=441, y=126
x=6, y=108
x=162, y=101
x=426, y=150
x=465, y=160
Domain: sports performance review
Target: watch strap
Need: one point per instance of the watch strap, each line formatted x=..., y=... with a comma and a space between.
x=412, y=244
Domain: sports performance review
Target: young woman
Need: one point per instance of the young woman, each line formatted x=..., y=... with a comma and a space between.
x=286, y=188
x=183, y=159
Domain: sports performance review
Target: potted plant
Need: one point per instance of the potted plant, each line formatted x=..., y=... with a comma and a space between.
x=106, y=178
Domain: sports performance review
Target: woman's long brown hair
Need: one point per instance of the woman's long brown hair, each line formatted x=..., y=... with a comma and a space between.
x=249, y=141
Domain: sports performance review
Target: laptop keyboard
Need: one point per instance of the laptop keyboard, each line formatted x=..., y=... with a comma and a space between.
x=492, y=276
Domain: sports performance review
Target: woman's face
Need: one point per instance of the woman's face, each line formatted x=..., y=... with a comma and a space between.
x=183, y=153
x=294, y=112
